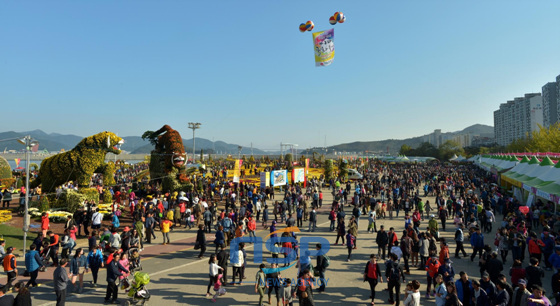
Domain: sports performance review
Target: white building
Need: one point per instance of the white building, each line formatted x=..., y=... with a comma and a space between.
x=518, y=118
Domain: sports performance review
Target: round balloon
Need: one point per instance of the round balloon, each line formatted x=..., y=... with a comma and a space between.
x=342, y=20
x=302, y=27
x=332, y=20
x=339, y=16
x=309, y=24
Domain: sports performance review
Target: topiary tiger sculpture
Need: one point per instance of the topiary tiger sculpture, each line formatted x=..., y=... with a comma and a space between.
x=80, y=163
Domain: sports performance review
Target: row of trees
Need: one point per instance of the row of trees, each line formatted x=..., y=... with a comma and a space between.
x=426, y=149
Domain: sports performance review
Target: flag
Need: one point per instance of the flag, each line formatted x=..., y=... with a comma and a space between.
x=323, y=43
x=17, y=161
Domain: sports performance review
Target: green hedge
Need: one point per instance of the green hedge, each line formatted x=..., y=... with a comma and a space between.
x=91, y=194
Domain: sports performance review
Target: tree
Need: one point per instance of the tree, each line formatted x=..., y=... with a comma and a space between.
x=251, y=159
x=329, y=170
x=405, y=149
x=289, y=161
x=450, y=148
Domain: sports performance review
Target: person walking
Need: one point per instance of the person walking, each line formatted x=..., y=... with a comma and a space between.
x=477, y=243
x=393, y=274
x=114, y=269
x=305, y=289
x=10, y=267
x=261, y=284
x=312, y=220
x=382, y=240
x=200, y=241
x=459, y=239
x=78, y=266
x=166, y=225
x=406, y=248
x=149, y=225
x=322, y=264
x=372, y=274
x=95, y=261
x=214, y=271
x=60, y=278
x=32, y=264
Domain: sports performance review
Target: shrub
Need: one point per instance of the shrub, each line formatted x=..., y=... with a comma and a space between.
x=70, y=200
x=91, y=194
x=44, y=204
x=107, y=197
x=7, y=182
x=5, y=169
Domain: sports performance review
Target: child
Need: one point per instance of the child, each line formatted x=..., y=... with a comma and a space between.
x=45, y=223
x=350, y=244
x=275, y=250
x=288, y=293
x=371, y=225
x=124, y=262
x=218, y=288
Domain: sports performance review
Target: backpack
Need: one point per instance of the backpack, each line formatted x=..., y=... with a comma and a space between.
x=394, y=273
x=326, y=262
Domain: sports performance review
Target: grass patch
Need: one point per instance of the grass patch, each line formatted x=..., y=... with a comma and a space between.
x=14, y=237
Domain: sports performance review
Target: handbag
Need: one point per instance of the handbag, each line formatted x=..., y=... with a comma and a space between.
x=197, y=245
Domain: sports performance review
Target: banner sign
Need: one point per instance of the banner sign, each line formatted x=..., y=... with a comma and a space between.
x=298, y=175
x=323, y=43
x=278, y=177
x=237, y=170
x=265, y=179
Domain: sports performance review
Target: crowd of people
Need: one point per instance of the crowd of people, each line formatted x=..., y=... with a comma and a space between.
x=221, y=212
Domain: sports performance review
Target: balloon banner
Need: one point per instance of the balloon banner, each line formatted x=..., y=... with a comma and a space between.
x=323, y=43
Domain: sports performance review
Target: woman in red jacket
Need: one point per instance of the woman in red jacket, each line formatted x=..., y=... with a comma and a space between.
x=535, y=246
x=372, y=275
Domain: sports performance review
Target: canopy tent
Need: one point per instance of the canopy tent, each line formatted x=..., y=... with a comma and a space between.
x=453, y=158
x=545, y=166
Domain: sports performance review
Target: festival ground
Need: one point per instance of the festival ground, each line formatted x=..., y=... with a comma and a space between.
x=180, y=278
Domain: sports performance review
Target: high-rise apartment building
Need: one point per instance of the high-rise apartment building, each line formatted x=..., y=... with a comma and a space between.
x=550, y=103
x=517, y=118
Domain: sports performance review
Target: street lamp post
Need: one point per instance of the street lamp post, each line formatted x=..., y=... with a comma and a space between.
x=193, y=126
x=29, y=143
x=239, y=148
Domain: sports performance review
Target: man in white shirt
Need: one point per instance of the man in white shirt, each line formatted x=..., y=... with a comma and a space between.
x=96, y=219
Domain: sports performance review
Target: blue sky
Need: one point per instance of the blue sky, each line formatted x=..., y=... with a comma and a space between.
x=242, y=68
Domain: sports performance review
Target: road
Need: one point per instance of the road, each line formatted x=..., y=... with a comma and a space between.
x=180, y=278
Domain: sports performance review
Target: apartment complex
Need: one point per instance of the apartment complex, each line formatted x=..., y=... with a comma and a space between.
x=518, y=118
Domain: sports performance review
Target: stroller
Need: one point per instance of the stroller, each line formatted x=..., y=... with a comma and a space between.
x=134, y=260
x=138, y=292
x=45, y=256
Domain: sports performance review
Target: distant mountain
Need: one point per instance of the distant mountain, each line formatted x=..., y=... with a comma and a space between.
x=394, y=145
x=132, y=144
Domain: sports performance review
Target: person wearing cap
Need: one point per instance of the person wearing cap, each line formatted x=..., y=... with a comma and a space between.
x=488, y=285
x=538, y=297
x=10, y=267
x=447, y=271
x=520, y=294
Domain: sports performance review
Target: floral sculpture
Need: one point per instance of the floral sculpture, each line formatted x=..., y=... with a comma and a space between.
x=80, y=163
x=168, y=158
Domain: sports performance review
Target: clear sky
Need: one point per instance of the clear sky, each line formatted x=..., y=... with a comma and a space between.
x=242, y=68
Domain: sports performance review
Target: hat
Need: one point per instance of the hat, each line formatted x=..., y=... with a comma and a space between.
x=126, y=229
x=183, y=199
x=522, y=282
x=149, y=197
x=485, y=274
x=447, y=260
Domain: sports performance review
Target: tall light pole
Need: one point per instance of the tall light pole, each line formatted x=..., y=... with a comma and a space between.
x=239, y=148
x=28, y=142
x=193, y=126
